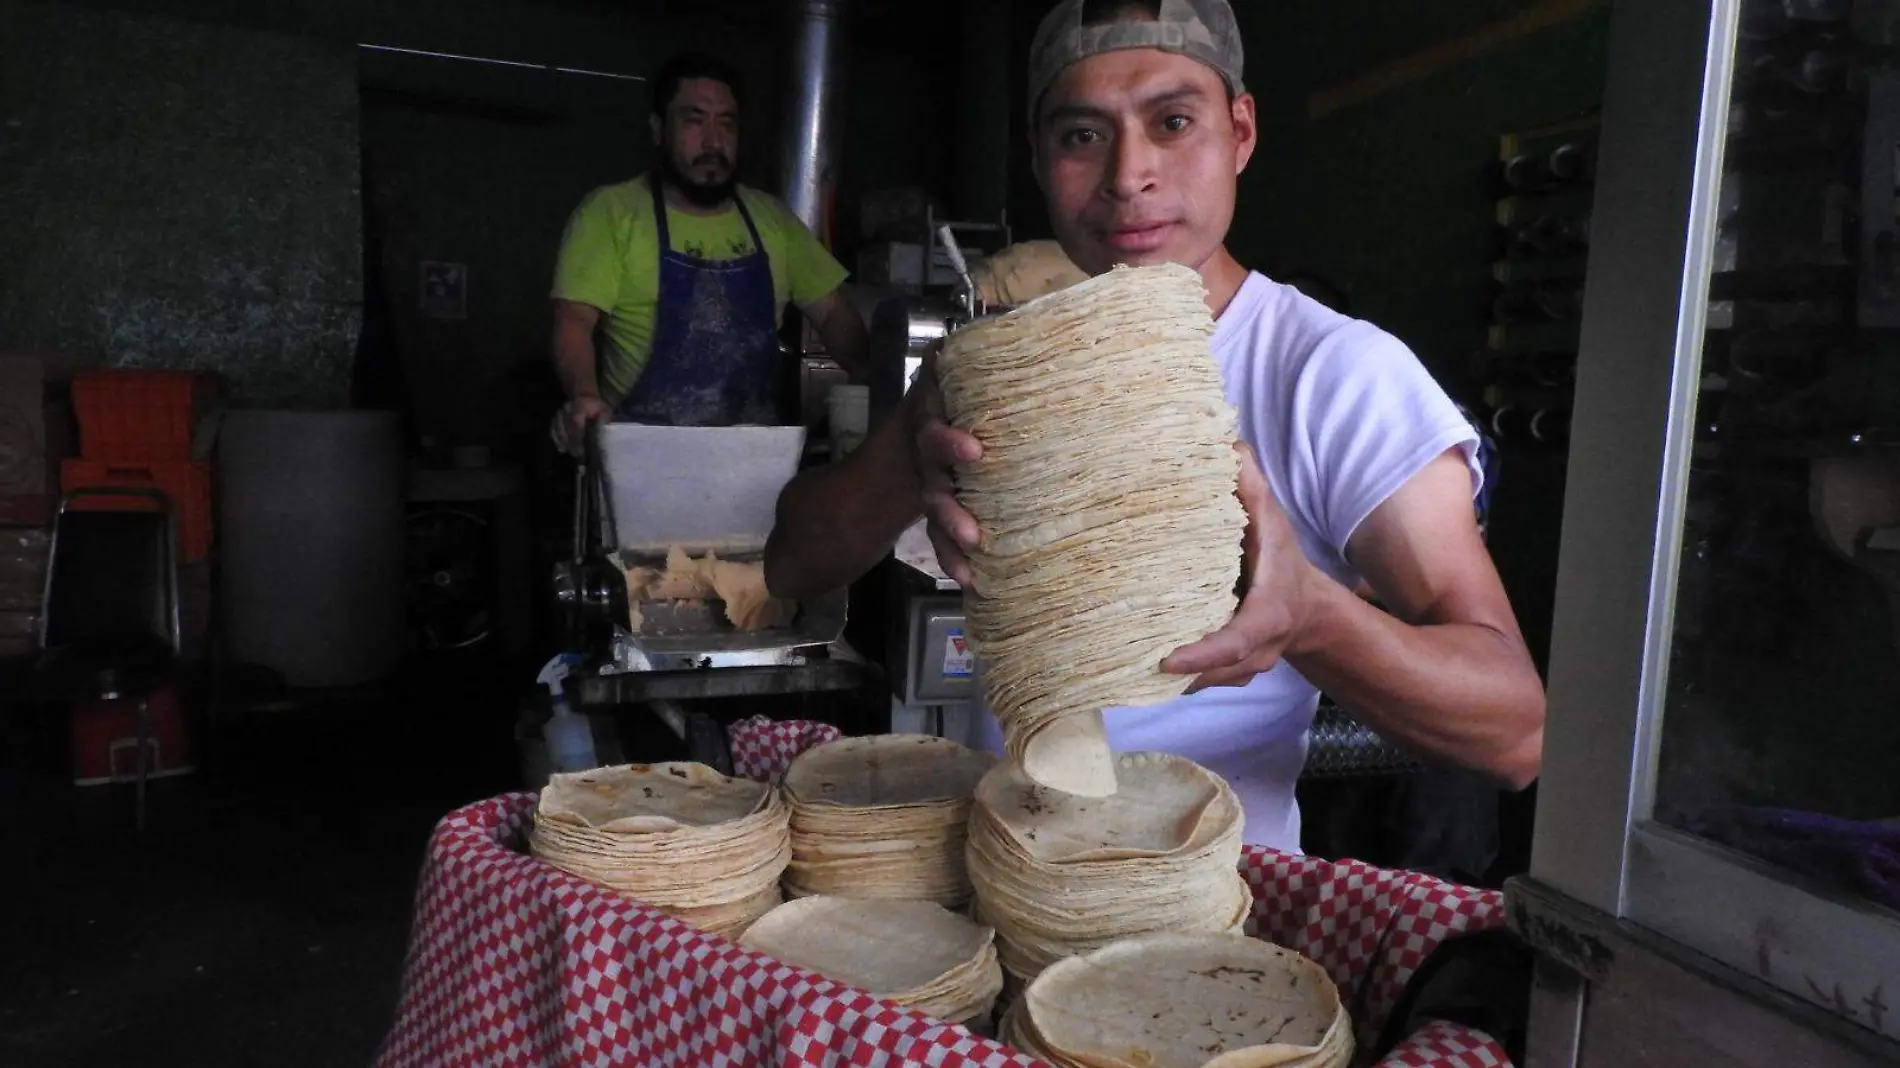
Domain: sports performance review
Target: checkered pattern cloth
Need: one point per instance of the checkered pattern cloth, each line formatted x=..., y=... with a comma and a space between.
x=514, y=963
x=1370, y=928
x=764, y=749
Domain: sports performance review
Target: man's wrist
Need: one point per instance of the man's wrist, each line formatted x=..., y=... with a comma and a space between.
x=1316, y=611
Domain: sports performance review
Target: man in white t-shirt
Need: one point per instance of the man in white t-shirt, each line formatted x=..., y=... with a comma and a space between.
x=1365, y=470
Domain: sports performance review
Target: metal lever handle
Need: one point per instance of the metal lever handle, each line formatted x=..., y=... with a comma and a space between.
x=953, y=250
x=586, y=485
x=962, y=266
x=580, y=510
x=597, y=488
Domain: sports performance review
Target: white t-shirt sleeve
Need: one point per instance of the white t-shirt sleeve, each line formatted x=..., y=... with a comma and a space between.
x=1369, y=416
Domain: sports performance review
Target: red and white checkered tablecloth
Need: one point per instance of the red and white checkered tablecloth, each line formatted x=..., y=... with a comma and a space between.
x=515, y=963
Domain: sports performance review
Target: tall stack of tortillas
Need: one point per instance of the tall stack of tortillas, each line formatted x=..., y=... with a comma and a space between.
x=1110, y=531
x=678, y=836
x=911, y=953
x=1183, y=1001
x=883, y=816
x=1058, y=874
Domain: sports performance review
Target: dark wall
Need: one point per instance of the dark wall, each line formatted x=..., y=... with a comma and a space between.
x=180, y=195
x=480, y=164
x=590, y=34
x=187, y=187
x=898, y=112
x=1392, y=198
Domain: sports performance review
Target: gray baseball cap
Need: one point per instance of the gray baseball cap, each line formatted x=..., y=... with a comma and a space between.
x=1199, y=29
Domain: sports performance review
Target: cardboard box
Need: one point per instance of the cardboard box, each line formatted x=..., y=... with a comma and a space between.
x=28, y=539
x=23, y=465
x=22, y=581
x=35, y=507
x=19, y=634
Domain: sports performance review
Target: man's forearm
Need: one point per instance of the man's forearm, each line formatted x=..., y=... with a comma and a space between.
x=574, y=358
x=814, y=548
x=1462, y=692
x=847, y=342
x=835, y=523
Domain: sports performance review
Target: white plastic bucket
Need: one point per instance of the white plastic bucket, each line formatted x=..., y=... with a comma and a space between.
x=850, y=411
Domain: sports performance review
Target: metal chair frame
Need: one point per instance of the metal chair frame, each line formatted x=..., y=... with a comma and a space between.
x=108, y=682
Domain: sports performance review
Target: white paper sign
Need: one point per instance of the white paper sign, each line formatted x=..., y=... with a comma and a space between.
x=958, y=661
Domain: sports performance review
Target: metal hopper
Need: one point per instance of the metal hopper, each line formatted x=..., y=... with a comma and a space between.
x=703, y=489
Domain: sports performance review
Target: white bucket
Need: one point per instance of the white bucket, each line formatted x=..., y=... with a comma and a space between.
x=850, y=411
x=311, y=530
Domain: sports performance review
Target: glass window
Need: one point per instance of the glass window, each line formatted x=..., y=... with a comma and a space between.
x=1781, y=732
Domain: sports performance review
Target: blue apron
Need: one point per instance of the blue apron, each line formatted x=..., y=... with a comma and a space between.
x=715, y=359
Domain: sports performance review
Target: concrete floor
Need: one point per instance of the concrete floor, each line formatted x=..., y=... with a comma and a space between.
x=261, y=919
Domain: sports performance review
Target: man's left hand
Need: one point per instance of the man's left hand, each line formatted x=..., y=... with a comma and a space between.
x=1279, y=585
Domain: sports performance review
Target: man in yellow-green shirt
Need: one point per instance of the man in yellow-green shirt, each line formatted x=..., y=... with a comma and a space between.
x=686, y=274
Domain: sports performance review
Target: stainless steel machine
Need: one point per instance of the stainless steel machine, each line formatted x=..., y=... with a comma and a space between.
x=928, y=659
x=927, y=656
x=644, y=490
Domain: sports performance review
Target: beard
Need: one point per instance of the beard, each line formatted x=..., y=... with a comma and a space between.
x=702, y=194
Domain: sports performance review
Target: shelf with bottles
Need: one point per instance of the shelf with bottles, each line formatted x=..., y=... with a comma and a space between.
x=1533, y=336
x=1766, y=394
x=1815, y=47
x=1786, y=283
x=1530, y=369
x=1525, y=371
x=1526, y=397
x=1549, y=300
x=1549, y=160
x=1799, y=391
x=1801, y=358
x=1533, y=231
x=1786, y=232
x=1794, y=208
x=1546, y=181
x=1773, y=131
x=1565, y=245
x=1520, y=422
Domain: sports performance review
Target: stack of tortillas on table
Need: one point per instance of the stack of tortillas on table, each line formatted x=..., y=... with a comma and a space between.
x=1058, y=874
x=678, y=836
x=883, y=816
x=1183, y=1001
x=911, y=953
x=1111, y=535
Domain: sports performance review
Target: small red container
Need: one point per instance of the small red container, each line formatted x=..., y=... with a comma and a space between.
x=106, y=739
x=186, y=482
x=139, y=415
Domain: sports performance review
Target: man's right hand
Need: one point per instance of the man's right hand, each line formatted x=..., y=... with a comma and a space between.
x=937, y=447
x=569, y=429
